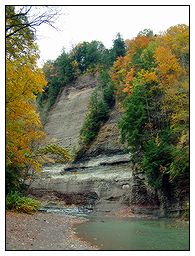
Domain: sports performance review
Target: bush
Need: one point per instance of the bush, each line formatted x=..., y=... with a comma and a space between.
x=97, y=115
x=18, y=203
x=101, y=102
x=156, y=161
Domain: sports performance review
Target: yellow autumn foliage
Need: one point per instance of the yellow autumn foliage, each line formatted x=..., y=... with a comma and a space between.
x=23, y=126
x=168, y=67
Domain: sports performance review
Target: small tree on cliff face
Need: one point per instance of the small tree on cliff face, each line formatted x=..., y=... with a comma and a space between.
x=101, y=102
x=97, y=115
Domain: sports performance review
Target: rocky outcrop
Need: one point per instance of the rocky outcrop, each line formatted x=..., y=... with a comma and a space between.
x=108, y=184
x=97, y=181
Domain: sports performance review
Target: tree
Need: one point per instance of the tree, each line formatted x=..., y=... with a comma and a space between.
x=24, y=81
x=64, y=68
x=119, y=48
x=19, y=38
x=21, y=23
x=88, y=55
x=146, y=32
x=23, y=127
x=177, y=39
x=25, y=19
x=101, y=102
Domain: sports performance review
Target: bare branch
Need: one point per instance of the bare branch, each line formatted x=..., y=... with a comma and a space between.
x=48, y=16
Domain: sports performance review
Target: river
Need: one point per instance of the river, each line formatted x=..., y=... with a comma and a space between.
x=135, y=234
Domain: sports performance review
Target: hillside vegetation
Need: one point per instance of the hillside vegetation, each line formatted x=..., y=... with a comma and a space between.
x=152, y=83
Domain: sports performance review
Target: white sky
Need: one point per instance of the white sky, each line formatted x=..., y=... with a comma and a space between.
x=102, y=23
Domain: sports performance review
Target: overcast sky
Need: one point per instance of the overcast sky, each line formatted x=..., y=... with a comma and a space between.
x=102, y=23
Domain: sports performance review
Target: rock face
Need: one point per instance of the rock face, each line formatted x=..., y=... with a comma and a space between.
x=96, y=182
x=108, y=184
x=65, y=120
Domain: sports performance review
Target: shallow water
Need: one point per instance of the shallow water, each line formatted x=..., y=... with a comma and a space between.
x=74, y=211
x=135, y=234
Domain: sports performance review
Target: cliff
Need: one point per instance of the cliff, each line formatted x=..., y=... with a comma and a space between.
x=104, y=176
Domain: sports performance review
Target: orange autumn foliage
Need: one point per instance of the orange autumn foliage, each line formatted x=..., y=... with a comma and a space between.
x=128, y=83
x=139, y=42
x=123, y=70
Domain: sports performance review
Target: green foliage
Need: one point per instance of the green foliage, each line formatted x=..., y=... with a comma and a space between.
x=131, y=124
x=18, y=203
x=180, y=162
x=58, y=74
x=119, y=48
x=16, y=177
x=146, y=32
x=88, y=55
x=56, y=153
x=12, y=179
x=107, y=87
x=143, y=127
x=147, y=60
x=101, y=102
x=156, y=162
x=98, y=114
x=64, y=68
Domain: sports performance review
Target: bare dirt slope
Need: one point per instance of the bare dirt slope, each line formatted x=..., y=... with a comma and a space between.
x=66, y=118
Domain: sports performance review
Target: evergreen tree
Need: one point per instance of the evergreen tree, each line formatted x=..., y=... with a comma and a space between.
x=119, y=48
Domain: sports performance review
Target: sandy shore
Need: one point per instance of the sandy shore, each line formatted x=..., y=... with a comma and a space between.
x=43, y=231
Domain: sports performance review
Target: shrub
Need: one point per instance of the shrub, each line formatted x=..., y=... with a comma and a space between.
x=97, y=115
x=18, y=203
x=101, y=102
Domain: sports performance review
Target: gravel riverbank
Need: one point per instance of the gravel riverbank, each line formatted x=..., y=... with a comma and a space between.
x=43, y=231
